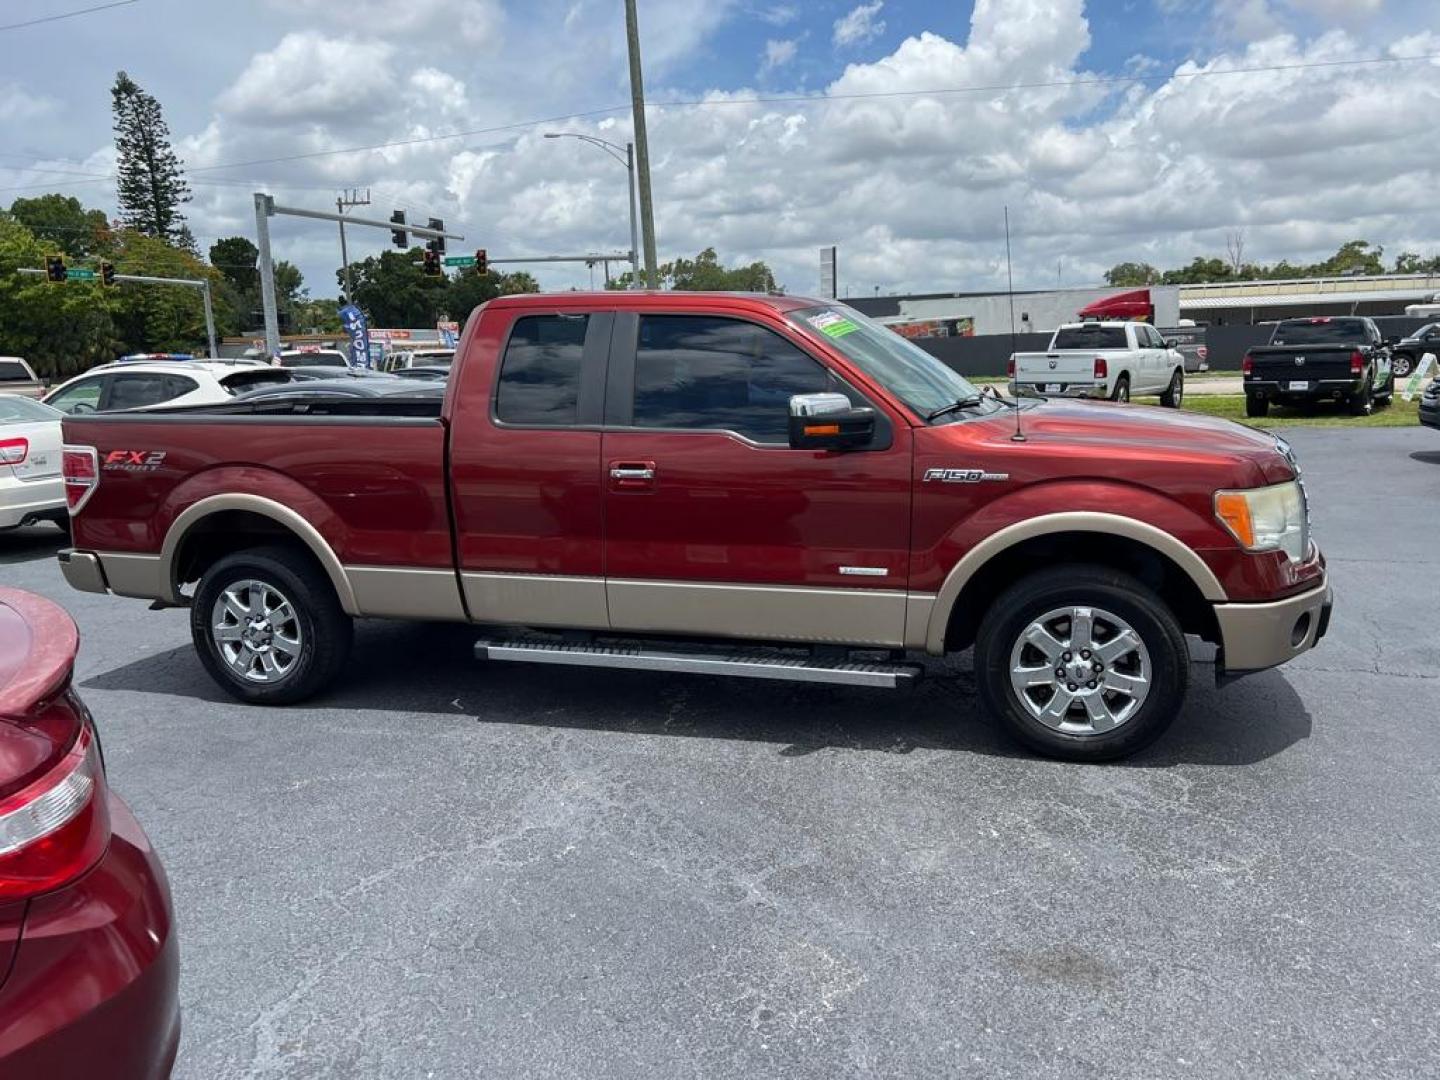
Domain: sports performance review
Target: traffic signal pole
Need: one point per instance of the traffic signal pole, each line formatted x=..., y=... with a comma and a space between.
x=265, y=209
x=203, y=284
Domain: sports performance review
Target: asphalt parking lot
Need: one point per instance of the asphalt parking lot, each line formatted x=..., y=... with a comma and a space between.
x=448, y=870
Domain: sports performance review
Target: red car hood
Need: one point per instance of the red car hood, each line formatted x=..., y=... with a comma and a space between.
x=1141, y=428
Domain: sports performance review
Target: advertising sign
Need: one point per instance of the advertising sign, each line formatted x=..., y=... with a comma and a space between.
x=353, y=320
x=449, y=333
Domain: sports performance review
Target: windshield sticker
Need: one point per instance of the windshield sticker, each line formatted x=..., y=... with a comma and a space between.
x=833, y=324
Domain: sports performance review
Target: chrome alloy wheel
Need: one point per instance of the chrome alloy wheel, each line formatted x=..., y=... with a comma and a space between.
x=256, y=631
x=1080, y=670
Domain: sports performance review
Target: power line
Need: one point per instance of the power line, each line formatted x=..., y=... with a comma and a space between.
x=68, y=14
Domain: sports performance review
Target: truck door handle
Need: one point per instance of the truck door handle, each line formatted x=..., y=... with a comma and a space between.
x=632, y=475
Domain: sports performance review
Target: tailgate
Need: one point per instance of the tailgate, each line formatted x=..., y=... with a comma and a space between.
x=1060, y=366
x=1313, y=363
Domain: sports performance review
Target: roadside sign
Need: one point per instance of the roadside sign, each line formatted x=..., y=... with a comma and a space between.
x=1422, y=372
x=451, y=260
x=449, y=332
x=76, y=273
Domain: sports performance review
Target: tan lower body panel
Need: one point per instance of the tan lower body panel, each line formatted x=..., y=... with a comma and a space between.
x=138, y=576
x=536, y=600
x=760, y=612
x=388, y=592
x=1258, y=636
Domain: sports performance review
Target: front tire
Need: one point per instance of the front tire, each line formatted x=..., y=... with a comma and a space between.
x=1122, y=389
x=1401, y=364
x=268, y=626
x=1082, y=663
x=1174, y=395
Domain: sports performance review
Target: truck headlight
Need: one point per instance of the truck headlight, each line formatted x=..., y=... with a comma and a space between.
x=1267, y=519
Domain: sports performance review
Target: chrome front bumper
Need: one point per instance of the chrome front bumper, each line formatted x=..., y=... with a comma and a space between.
x=1258, y=636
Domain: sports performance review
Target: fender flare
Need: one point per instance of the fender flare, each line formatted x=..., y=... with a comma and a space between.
x=306, y=533
x=1160, y=541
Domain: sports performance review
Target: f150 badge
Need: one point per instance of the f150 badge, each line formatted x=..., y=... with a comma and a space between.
x=963, y=476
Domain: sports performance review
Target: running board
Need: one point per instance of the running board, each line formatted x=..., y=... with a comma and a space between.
x=744, y=665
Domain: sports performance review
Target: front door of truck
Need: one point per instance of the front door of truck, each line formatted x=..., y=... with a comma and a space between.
x=714, y=526
x=525, y=469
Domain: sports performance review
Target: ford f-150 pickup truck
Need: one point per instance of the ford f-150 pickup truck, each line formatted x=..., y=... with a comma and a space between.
x=761, y=486
x=1319, y=359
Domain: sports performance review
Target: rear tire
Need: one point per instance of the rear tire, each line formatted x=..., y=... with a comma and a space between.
x=1363, y=403
x=1174, y=395
x=270, y=602
x=1122, y=389
x=1091, y=714
x=1256, y=406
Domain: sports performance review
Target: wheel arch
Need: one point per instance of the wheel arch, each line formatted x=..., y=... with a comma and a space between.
x=1155, y=556
x=236, y=519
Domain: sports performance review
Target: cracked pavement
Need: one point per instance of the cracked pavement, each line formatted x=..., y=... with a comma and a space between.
x=444, y=870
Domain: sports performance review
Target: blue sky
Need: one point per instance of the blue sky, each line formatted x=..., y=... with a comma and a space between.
x=912, y=187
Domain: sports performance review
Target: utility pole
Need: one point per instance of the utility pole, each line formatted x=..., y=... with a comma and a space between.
x=642, y=144
x=348, y=199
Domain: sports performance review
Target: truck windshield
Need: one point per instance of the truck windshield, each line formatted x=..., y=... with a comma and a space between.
x=1089, y=337
x=910, y=373
x=1320, y=332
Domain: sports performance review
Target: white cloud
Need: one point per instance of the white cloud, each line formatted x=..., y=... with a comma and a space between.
x=778, y=54
x=18, y=104
x=1339, y=10
x=859, y=26
x=476, y=22
x=779, y=14
x=312, y=75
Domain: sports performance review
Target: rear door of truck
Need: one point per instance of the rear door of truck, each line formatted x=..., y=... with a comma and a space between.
x=525, y=468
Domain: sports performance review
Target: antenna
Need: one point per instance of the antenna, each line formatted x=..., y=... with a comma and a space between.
x=1019, y=435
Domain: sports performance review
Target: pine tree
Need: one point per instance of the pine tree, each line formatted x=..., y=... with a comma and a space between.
x=150, y=184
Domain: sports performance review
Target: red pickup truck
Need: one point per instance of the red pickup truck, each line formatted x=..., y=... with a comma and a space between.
x=763, y=486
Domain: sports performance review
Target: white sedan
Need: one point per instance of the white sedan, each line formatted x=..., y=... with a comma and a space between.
x=31, y=488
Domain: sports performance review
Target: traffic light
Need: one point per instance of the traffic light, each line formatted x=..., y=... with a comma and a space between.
x=482, y=261
x=55, y=268
x=107, y=273
x=438, y=244
x=398, y=237
x=432, y=261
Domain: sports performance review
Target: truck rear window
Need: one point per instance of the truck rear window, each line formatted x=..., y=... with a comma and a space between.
x=540, y=371
x=1089, y=337
x=1320, y=332
x=13, y=371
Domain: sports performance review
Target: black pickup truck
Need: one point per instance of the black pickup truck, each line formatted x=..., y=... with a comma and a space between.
x=1339, y=358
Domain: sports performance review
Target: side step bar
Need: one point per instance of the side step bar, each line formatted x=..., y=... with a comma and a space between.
x=745, y=665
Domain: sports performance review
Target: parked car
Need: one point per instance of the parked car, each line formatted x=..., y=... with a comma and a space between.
x=758, y=486
x=329, y=374
x=1094, y=359
x=1325, y=358
x=1406, y=352
x=1430, y=404
x=30, y=485
x=89, y=961
x=1189, y=340
x=308, y=357
x=18, y=378
x=311, y=390
x=136, y=386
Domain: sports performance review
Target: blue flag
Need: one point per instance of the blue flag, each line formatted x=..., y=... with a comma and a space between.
x=353, y=320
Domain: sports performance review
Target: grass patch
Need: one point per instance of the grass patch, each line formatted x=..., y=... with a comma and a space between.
x=1232, y=407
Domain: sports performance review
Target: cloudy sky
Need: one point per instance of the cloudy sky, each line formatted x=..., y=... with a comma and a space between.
x=897, y=129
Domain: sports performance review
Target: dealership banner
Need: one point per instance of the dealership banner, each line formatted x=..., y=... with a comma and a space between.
x=353, y=320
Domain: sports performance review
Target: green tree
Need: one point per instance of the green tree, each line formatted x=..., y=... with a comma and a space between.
x=1132, y=274
x=1354, y=257
x=60, y=329
x=62, y=224
x=161, y=318
x=149, y=182
x=393, y=292
x=236, y=258
x=1407, y=262
x=705, y=273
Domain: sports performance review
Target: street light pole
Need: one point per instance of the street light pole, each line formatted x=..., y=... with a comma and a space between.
x=642, y=143
x=628, y=160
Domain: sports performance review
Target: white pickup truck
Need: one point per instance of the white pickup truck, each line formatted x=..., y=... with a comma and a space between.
x=1115, y=360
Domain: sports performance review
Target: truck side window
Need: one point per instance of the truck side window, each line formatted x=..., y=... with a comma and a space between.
x=708, y=373
x=540, y=371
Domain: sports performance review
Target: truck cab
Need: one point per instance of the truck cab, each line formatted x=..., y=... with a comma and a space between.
x=753, y=486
